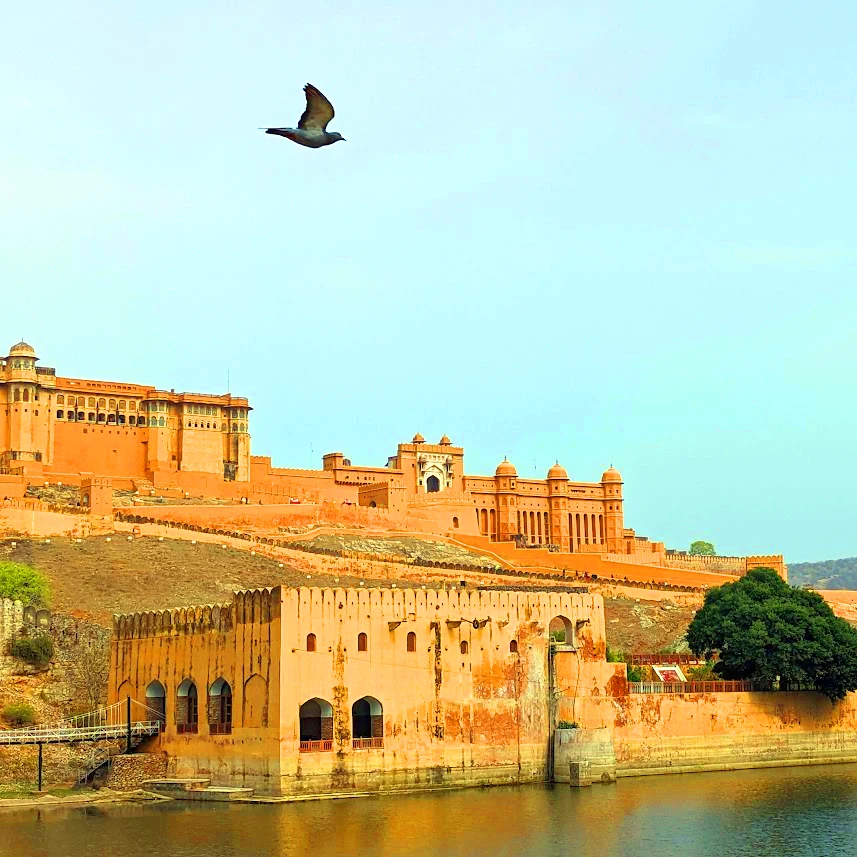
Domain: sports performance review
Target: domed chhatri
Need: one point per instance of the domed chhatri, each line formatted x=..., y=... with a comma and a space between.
x=445, y=441
x=418, y=438
x=505, y=468
x=22, y=349
x=611, y=475
x=557, y=472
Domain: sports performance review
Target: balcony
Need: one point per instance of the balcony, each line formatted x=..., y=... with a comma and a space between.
x=316, y=746
x=368, y=743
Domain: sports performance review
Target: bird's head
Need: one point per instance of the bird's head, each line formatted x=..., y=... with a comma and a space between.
x=335, y=137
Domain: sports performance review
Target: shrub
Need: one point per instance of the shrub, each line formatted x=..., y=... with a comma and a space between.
x=634, y=673
x=704, y=672
x=37, y=651
x=567, y=724
x=614, y=656
x=23, y=583
x=19, y=714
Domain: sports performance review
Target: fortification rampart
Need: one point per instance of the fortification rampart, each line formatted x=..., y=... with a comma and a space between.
x=733, y=565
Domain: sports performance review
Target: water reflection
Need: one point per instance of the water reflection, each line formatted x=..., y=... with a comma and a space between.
x=798, y=812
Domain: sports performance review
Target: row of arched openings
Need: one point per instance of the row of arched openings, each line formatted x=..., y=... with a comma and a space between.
x=218, y=711
x=316, y=725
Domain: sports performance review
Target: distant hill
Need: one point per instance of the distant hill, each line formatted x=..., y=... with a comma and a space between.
x=830, y=574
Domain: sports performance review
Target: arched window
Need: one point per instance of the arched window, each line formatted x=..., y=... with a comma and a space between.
x=367, y=724
x=492, y=525
x=601, y=529
x=121, y=404
x=455, y=522
x=373, y=504
x=91, y=402
x=132, y=406
x=111, y=419
x=60, y=399
x=17, y=394
x=316, y=726
x=310, y=642
x=69, y=415
x=80, y=416
x=26, y=394
x=362, y=642
x=156, y=699
x=91, y=417
x=432, y=484
x=161, y=422
x=59, y=415
x=412, y=641
x=112, y=404
x=102, y=403
x=101, y=418
x=220, y=708
x=464, y=647
x=121, y=419
x=513, y=647
x=187, y=708
x=560, y=631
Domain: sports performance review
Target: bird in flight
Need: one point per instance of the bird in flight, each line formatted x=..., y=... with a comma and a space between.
x=312, y=127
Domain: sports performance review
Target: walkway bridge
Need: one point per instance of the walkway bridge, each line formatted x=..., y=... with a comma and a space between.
x=130, y=721
x=110, y=730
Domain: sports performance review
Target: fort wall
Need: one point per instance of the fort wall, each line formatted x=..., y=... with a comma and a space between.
x=682, y=733
x=456, y=683
x=239, y=642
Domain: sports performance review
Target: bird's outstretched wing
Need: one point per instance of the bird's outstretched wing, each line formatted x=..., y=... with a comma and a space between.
x=319, y=111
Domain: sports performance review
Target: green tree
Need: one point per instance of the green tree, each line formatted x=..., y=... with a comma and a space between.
x=702, y=549
x=23, y=583
x=765, y=630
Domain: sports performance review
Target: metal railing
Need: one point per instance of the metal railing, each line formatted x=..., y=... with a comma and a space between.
x=316, y=746
x=678, y=687
x=110, y=722
x=368, y=743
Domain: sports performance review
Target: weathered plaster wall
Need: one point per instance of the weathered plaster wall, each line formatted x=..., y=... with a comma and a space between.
x=459, y=704
x=665, y=733
x=239, y=642
x=450, y=717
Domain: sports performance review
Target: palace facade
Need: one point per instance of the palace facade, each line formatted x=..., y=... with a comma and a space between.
x=66, y=430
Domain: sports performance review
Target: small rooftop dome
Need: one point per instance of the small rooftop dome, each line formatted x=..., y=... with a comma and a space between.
x=611, y=475
x=22, y=349
x=445, y=441
x=418, y=438
x=557, y=472
x=505, y=468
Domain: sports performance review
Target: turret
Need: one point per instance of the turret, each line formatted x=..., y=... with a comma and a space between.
x=558, y=504
x=614, y=524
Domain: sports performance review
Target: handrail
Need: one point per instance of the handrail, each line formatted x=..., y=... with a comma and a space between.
x=680, y=687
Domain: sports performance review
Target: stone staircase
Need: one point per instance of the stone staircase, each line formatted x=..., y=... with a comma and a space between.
x=196, y=789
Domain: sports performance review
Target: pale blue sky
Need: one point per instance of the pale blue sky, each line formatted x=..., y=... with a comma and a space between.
x=613, y=232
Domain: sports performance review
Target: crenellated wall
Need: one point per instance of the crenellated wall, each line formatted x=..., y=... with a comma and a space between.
x=456, y=681
x=237, y=641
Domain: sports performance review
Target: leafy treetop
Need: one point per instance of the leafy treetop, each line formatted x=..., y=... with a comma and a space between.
x=702, y=549
x=23, y=583
x=765, y=630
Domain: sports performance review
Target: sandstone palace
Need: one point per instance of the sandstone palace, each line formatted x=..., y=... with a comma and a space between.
x=114, y=435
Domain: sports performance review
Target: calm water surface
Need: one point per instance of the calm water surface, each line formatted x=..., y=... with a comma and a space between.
x=784, y=812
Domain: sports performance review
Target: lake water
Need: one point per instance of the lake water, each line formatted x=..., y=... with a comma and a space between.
x=811, y=812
